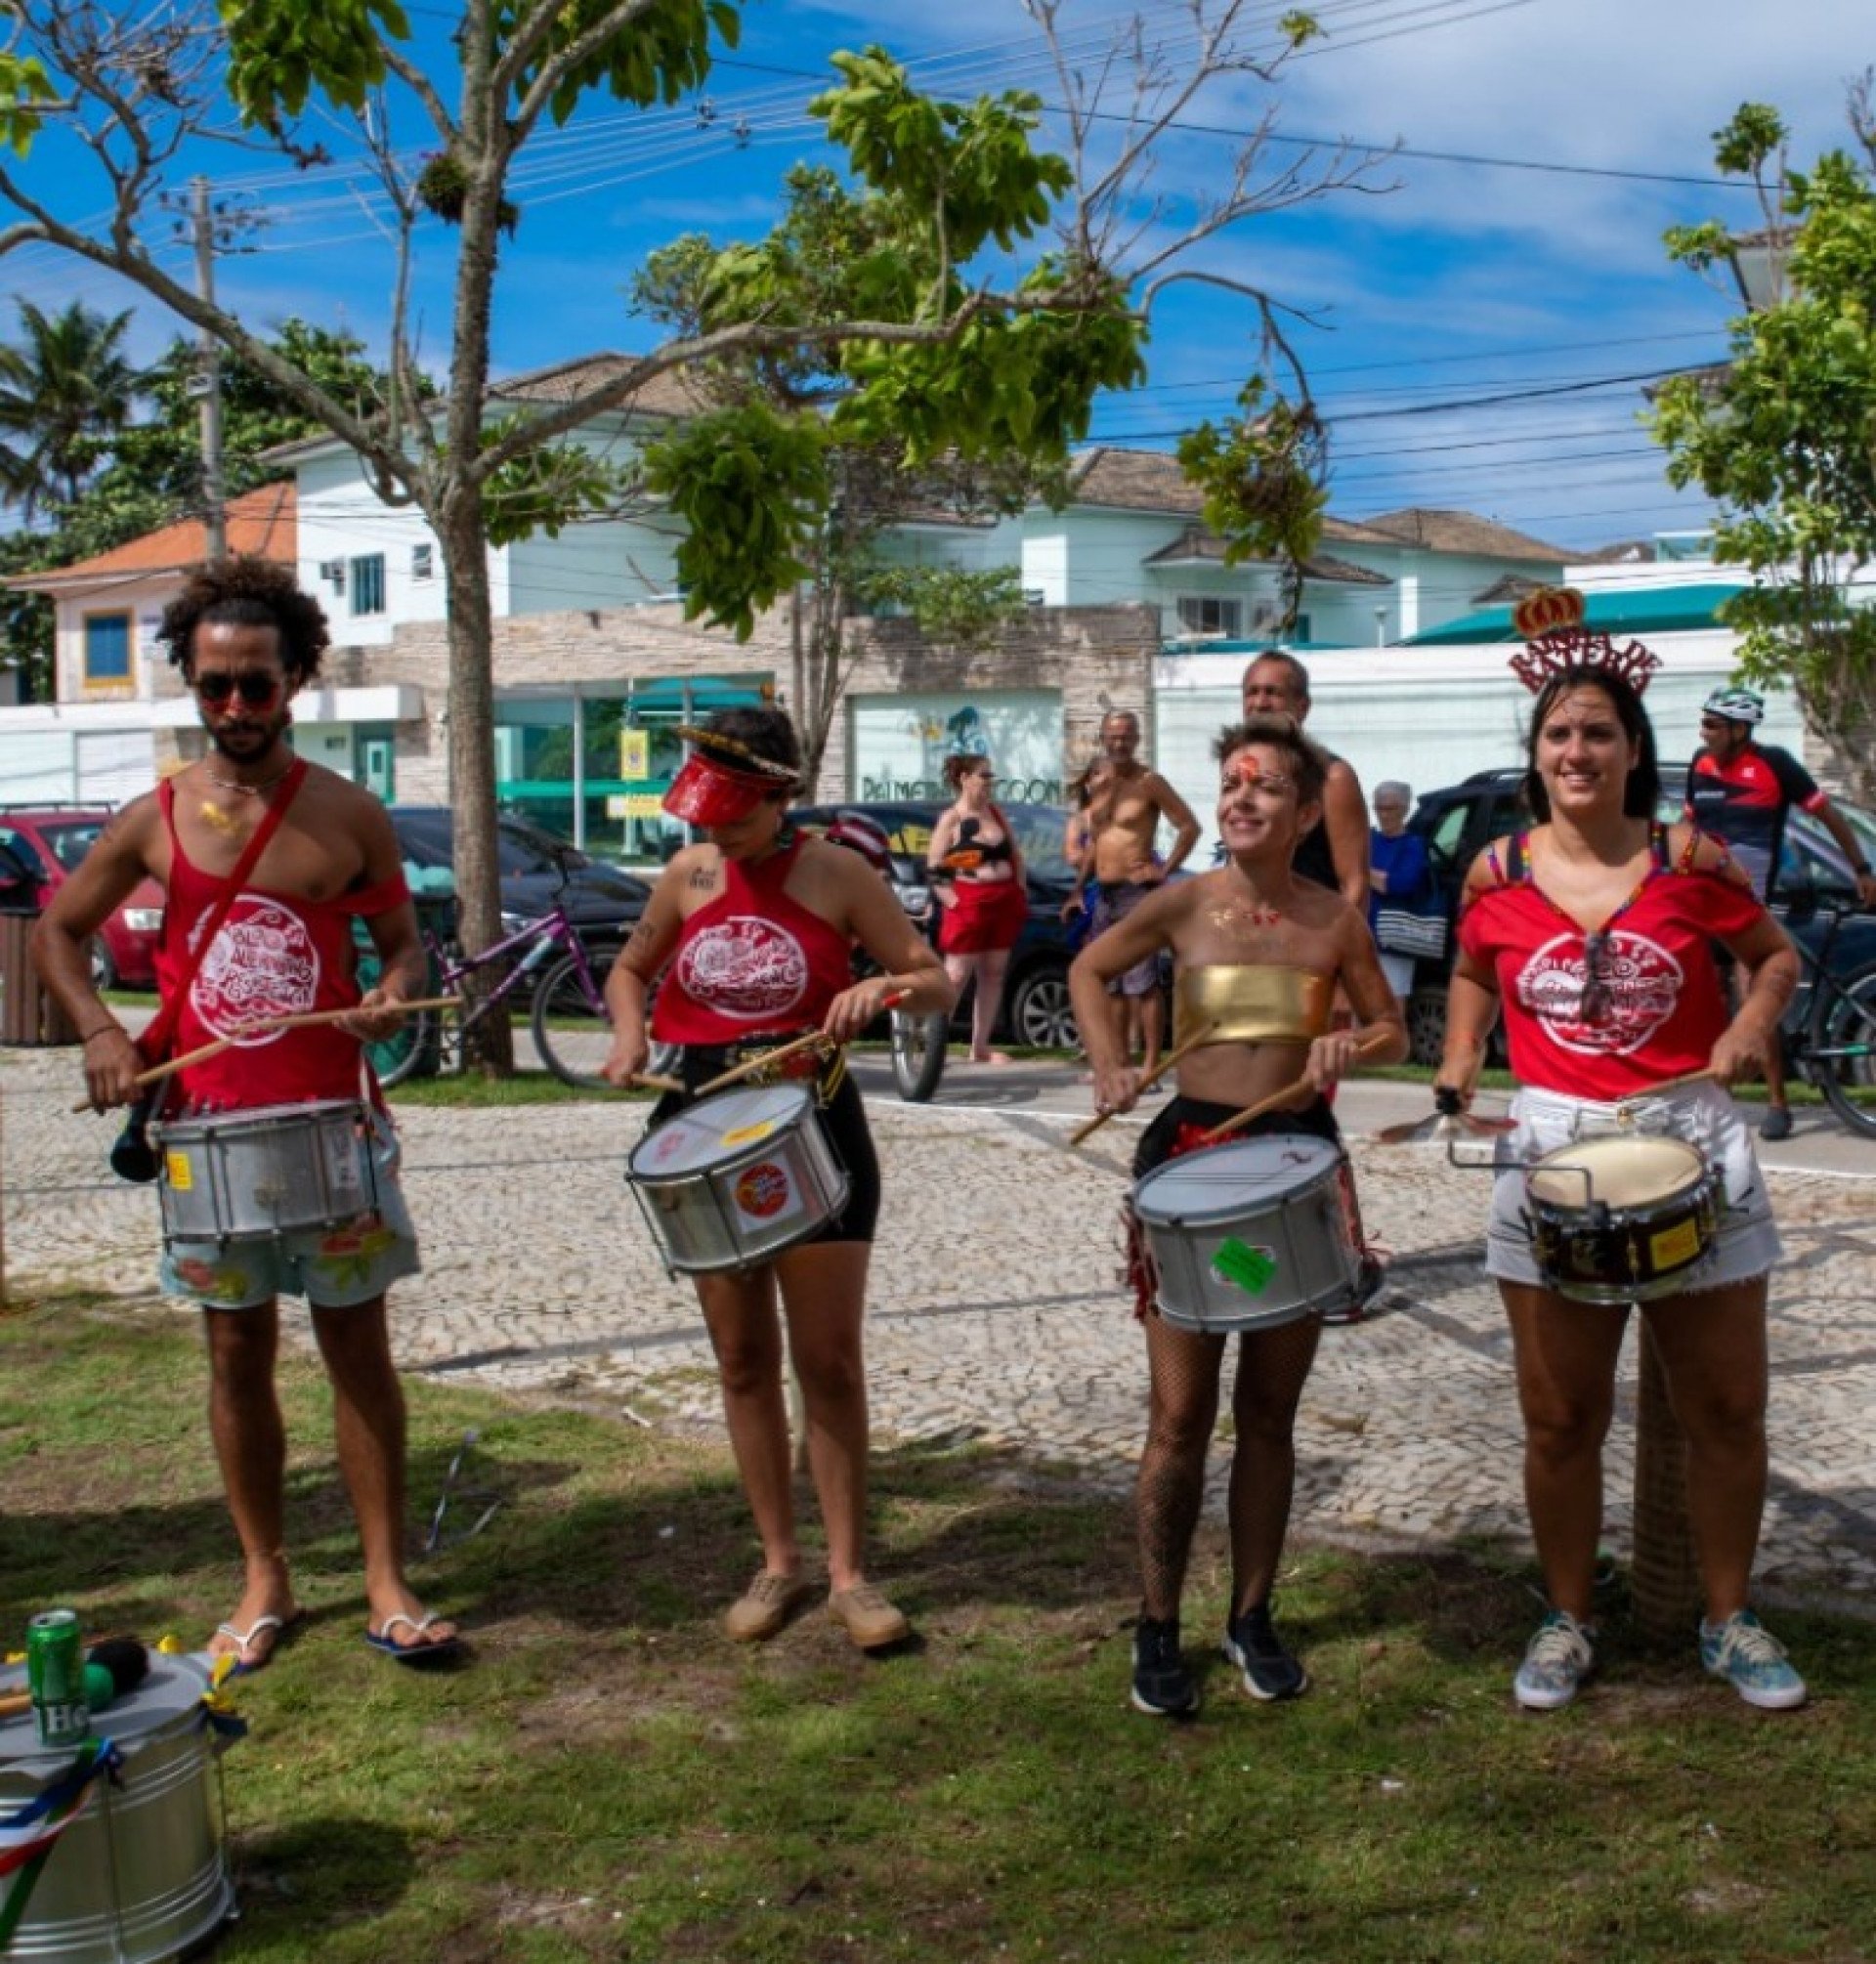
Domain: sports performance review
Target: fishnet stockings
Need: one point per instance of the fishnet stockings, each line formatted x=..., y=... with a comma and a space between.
x=1272, y=1368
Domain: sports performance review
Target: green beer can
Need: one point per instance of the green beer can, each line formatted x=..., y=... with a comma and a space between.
x=55, y=1676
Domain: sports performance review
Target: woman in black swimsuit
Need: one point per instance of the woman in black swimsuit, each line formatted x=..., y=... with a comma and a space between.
x=977, y=874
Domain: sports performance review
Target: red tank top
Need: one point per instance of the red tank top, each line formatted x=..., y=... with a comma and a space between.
x=274, y=955
x=751, y=962
x=1655, y=996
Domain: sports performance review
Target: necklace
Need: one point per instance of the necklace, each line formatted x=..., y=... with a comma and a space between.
x=1235, y=911
x=245, y=790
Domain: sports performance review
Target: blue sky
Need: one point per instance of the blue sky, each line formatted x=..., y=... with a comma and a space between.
x=1535, y=265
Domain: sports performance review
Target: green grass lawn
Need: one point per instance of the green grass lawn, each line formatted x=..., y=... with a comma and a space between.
x=611, y=1779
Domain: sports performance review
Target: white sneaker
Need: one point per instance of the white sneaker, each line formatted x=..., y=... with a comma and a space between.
x=1556, y=1660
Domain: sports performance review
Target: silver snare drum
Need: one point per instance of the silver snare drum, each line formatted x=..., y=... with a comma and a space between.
x=140, y=1874
x=1250, y=1235
x=249, y=1176
x=730, y=1181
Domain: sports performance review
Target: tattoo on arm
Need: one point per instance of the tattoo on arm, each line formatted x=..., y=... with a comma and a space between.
x=643, y=934
x=703, y=879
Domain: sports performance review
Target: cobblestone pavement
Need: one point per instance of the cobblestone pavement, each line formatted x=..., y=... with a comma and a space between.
x=995, y=1312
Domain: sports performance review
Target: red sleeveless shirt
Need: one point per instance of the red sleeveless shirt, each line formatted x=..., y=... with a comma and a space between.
x=751, y=962
x=274, y=955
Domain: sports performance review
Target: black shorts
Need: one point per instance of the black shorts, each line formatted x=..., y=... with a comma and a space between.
x=1162, y=1138
x=841, y=1114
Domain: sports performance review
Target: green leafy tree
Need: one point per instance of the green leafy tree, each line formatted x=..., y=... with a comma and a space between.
x=66, y=389
x=962, y=334
x=1784, y=436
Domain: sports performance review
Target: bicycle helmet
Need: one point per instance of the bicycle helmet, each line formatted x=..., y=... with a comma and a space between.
x=1737, y=705
x=864, y=835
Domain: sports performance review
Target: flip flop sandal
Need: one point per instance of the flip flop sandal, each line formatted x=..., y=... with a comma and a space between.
x=281, y=1626
x=419, y=1657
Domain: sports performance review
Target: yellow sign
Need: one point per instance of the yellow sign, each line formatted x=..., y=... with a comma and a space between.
x=635, y=805
x=635, y=753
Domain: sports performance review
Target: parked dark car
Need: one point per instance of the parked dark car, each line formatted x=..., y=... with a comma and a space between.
x=1036, y=1009
x=603, y=901
x=1459, y=822
x=40, y=848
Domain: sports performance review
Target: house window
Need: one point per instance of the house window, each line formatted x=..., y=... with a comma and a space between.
x=422, y=562
x=107, y=649
x=1206, y=614
x=367, y=585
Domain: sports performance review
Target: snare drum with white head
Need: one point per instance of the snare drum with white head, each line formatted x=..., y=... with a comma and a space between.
x=732, y=1180
x=1252, y=1235
x=1622, y=1218
x=248, y=1176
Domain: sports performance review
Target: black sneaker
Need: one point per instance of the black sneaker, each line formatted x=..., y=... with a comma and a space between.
x=1776, y=1123
x=1162, y=1684
x=1270, y=1672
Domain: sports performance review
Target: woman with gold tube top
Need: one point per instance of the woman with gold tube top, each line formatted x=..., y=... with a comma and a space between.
x=1258, y=956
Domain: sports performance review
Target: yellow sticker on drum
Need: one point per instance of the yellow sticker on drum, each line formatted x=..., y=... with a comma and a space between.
x=176, y=1165
x=1675, y=1246
x=748, y=1135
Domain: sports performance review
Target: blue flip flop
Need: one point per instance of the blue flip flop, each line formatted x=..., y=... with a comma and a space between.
x=418, y=1656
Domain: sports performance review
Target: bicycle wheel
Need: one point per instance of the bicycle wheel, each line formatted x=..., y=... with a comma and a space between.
x=573, y=1032
x=1843, y=1061
x=919, y=1053
x=412, y=1051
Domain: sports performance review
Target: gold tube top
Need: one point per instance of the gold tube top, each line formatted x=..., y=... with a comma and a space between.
x=1252, y=1003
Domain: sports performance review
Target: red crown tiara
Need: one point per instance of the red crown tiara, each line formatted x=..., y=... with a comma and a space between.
x=1550, y=620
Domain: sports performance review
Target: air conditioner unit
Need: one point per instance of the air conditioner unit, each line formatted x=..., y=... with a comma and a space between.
x=333, y=571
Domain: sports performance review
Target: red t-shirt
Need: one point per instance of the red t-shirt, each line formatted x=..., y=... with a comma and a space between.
x=751, y=962
x=273, y=954
x=1663, y=1002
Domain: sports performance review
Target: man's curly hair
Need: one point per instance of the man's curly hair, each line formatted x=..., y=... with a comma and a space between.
x=247, y=592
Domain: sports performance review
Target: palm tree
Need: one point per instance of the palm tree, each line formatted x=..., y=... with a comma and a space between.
x=65, y=390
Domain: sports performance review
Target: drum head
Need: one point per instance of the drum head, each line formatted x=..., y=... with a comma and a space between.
x=1621, y=1173
x=1223, y=1182
x=704, y=1133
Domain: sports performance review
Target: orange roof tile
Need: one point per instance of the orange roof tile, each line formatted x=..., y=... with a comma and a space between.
x=261, y=523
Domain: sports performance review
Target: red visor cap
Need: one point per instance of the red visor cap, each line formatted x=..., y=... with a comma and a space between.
x=707, y=793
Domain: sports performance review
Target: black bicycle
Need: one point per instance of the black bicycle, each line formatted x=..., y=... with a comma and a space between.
x=1830, y=1029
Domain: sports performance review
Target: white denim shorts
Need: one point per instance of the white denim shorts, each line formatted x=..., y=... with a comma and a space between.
x=1703, y=1115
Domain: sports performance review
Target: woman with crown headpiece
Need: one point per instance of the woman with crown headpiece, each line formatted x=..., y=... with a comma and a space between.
x=1594, y=932
x=753, y=930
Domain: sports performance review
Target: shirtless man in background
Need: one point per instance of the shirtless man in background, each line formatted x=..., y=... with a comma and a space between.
x=1334, y=852
x=1123, y=819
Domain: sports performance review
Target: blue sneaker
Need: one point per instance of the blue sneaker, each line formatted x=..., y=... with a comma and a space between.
x=1556, y=1660
x=1163, y=1687
x=1752, y=1661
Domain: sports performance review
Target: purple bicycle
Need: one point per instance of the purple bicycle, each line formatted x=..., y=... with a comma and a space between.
x=572, y=1030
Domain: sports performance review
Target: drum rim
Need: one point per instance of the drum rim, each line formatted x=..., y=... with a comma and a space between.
x=802, y=1097
x=192, y=1124
x=1248, y=1204
x=1701, y=1172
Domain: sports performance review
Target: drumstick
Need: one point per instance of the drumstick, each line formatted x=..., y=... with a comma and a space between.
x=651, y=1081
x=750, y=1066
x=1670, y=1085
x=266, y=1027
x=1202, y=1035
x=1238, y=1120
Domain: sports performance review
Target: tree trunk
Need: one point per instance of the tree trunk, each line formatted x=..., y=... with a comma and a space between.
x=1666, y=1580
x=489, y=1048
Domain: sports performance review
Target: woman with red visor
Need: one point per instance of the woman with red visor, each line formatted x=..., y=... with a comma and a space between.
x=752, y=932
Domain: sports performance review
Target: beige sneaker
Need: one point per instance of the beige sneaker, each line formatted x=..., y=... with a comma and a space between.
x=763, y=1607
x=867, y=1617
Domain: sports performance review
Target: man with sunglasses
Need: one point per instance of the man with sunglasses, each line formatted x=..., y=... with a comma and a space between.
x=1742, y=791
x=266, y=862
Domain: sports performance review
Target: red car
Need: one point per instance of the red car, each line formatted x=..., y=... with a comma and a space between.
x=40, y=847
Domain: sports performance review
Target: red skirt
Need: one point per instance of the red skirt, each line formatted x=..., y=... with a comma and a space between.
x=985, y=916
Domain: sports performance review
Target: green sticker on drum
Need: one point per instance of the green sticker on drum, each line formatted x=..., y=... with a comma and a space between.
x=1252, y=1270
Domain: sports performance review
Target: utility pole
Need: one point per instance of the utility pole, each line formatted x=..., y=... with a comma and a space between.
x=206, y=383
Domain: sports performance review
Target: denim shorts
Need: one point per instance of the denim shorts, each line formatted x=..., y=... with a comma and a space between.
x=332, y=1268
x=1704, y=1115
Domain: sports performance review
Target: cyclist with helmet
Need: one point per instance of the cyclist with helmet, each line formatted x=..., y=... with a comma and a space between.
x=1742, y=791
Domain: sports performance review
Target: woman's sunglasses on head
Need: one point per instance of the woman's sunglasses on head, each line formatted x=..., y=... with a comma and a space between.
x=257, y=692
